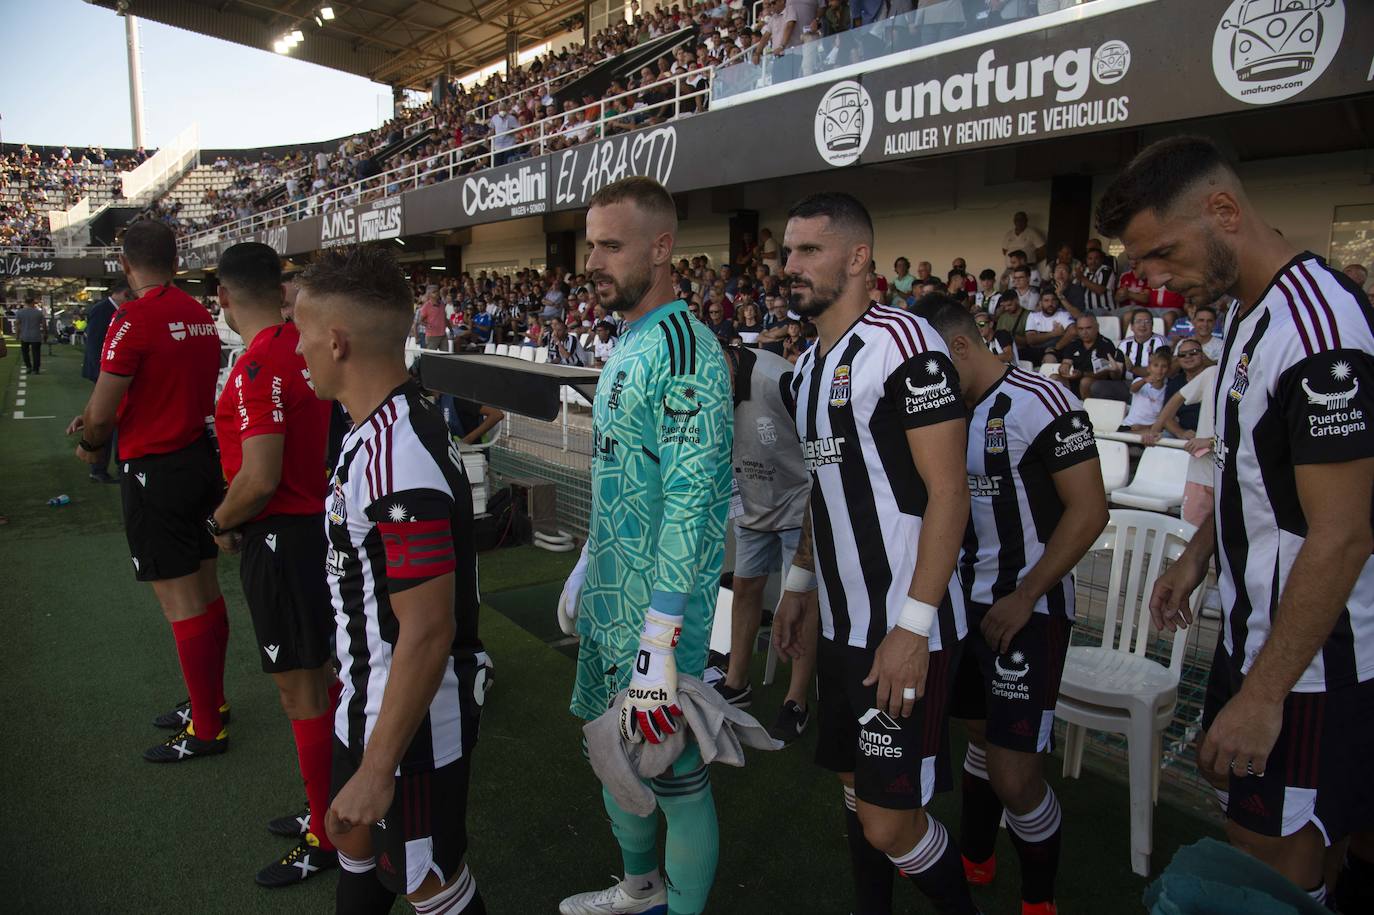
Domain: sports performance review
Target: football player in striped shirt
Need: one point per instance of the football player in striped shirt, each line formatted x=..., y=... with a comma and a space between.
x=1037, y=505
x=1291, y=692
x=403, y=580
x=882, y=428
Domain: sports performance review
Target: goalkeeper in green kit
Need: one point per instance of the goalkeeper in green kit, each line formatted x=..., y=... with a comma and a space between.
x=643, y=595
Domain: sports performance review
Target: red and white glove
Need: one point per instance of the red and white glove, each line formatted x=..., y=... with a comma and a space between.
x=650, y=710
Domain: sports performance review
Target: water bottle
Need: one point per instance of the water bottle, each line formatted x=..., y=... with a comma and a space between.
x=63, y=499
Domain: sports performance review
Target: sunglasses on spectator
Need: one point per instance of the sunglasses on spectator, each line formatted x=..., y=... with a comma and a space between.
x=982, y=323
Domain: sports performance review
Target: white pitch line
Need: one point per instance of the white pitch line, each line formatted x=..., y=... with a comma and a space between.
x=19, y=401
x=19, y=414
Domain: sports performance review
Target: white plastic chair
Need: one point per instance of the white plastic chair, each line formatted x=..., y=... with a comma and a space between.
x=1025, y=365
x=527, y=353
x=489, y=349
x=1158, y=482
x=1105, y=415
x=541, y=355
x=1158, y=326
x=502, y=349
x=1115, y=459
x=1114, y=687
x=1050, y=370
x=1109, y=327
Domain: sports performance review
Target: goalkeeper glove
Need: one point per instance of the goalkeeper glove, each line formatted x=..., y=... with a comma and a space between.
x=567, y=601
x=650, y=706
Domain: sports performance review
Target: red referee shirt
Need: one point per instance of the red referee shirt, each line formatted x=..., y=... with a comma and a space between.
x=167, y=342
x=269, y=392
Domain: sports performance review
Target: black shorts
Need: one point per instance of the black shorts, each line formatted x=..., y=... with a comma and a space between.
x=167, y=498
x=1316, y=771
x=285, y=584
x=1015, y=692
x=898, y=763
x=425, y=829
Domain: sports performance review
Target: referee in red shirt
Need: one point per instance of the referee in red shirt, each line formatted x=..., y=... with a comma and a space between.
x=272, y=432
x=157, y=386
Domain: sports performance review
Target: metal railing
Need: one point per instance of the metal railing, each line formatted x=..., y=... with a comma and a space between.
x=475, y=155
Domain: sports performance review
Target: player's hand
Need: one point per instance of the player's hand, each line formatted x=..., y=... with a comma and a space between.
x=1169, y=607
x=789, y=623
x=1241, y=737
x=1006, y=617
x=650, y=710
x=88, y=457
x=567, y=601
x=230, y=542
x=899, y=664
x=76, y=425
x=364, y=800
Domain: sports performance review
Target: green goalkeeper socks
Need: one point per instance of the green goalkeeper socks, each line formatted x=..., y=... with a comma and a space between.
x=693, y=837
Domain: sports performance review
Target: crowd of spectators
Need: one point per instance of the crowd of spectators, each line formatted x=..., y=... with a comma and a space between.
x=32, y=182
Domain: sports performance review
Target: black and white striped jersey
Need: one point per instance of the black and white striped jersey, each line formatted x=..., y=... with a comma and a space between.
x=399, y=514
x=1097, y=302
x=1296, y=386
x=1133, y=352
x=1022, y=431
x=888, y=373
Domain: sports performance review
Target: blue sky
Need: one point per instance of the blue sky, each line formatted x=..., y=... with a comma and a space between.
x=67, y=82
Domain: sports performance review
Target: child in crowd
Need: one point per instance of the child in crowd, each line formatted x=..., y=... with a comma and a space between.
x=1147, y=394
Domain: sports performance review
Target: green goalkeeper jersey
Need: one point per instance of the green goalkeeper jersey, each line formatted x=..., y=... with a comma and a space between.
x=661, y=473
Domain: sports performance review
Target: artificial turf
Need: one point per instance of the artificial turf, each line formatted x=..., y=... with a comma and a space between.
x=90, y=827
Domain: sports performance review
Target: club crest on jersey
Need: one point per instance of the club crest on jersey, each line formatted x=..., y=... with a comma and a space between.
x=839, y=386
x=995, y=441
x=613, y=402
x=1242, y=380
x=768, y=433
x=338, y=510
x=932, y=395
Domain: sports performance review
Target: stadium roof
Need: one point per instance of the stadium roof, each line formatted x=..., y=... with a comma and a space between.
x=403, y=43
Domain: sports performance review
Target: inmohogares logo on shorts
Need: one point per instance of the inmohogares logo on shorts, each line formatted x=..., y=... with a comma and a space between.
x=844, y=122
x=1267, y=51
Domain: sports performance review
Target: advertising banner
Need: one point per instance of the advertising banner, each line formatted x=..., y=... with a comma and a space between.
x=491, y=195
x=374, y=221
x=18, y=266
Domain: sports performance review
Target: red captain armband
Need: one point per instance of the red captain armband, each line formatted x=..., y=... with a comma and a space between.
x=417, y=551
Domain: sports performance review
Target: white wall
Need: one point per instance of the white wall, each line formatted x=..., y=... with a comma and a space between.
x=505, y=246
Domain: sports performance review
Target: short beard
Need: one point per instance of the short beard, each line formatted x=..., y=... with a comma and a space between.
x=1221, y=271
x=822, y=297
x=625, y=296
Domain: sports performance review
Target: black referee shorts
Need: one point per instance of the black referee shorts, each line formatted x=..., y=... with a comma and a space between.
x=282, y=570
x=1317, y=771
x=898, y=763
x=167, y=498
x=425, y=829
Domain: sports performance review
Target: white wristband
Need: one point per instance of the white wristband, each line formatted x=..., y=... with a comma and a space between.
x=799, y=579
x=917, y=616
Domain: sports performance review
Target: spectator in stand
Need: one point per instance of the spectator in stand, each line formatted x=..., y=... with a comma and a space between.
x=1199, y=392
x=775, y=321
x=769, y=254
x=1018, y=259
x=1026, y=292
x=863, y=12
x=503, y=127
x=1358, y=275
x=431, y=321
x=720, y=325
x=749, y=323
x=603, y=345
x=902, y=284
x=1089, y=362
x=562, y=346
x=985, y=298
x=1098, y=282
x=999, y=342
x=835, y=18
x=1049, y=329
x=1189, y=362
x=1204, y=322
x=1071, y=294
x=1137, y=349
x=1021, y=237
x=1064, y=256
x=1012, y=317
x=1147, y=393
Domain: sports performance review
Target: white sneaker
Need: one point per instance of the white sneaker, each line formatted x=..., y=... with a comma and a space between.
x=615, y=900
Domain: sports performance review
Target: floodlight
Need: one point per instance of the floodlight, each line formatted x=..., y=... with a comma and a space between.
x=327, y=13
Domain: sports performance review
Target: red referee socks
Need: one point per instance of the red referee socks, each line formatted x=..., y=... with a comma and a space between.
x=202, y=666
x=314, y=748
x=216, y=610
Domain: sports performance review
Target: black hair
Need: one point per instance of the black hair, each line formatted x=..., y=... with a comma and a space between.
x=932, y=302
x=988, y=274
x=367, y=275
x=252, y=269
x=1211, y=308
x=949, y=318
x=1155, y=179
x=844, y=210
x=150, y=245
